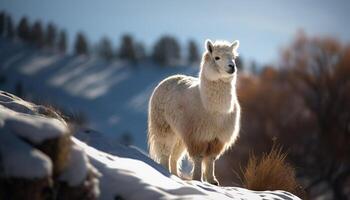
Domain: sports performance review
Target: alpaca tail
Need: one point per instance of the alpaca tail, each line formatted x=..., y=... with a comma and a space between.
x=271, y=172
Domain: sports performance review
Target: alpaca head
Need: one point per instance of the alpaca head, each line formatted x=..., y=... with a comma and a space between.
x=219, y=60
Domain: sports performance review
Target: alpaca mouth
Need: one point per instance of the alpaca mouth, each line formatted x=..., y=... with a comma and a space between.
x=231, y=70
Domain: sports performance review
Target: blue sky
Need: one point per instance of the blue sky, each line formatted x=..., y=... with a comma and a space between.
x=262, y=27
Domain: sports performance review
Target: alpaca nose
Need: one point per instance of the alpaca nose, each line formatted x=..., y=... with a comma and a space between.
x=232, y=68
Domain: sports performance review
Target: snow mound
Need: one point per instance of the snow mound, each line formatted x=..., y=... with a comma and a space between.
x=37, y=155
x=133, y=175
x=35, y=128
x=21, y=160
x=25, y=120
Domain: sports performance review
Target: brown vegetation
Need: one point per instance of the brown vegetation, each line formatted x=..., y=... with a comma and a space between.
x=58, y=150
x=304, y=102
x=270, y=172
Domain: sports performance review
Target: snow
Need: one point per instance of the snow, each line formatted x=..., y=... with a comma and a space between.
x=77, y=168
x=19, y=160
x=38, y=64
x=18, y=116
x=132, y=175
x=34, y=128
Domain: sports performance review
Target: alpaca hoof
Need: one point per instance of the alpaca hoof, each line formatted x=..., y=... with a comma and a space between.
x=214, y=182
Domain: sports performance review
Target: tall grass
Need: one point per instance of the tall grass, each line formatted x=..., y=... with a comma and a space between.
x=271, y=172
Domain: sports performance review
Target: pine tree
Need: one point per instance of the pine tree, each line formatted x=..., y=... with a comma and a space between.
x=81, y=45
x=50, y=35
x=62, y=42
x=140, y=51
x=166, y=51
x=193, y=55
x=9, y=30
x=2, y=23
x=23, y=30
x=127, y=49
x=105, y=49
x=37, y=34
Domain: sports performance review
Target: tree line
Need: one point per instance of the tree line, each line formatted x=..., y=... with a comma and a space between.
x=48, y=36
x=166, y=51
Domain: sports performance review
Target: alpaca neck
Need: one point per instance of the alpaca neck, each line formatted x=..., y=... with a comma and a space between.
x=217, y=96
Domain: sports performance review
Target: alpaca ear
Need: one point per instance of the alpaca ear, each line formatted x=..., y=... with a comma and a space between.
x=235, y=45
x=209, y=45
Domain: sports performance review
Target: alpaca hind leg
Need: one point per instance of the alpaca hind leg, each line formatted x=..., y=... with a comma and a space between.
x=176, y=154
x=197, y=168
x=165, y=145
x=161, y=148
x=164, y=161
x=161, y=140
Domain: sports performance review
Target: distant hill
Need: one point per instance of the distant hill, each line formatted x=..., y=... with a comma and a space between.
x=109, y=97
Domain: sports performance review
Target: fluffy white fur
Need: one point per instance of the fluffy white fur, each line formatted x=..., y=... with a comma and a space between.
x=197, y=115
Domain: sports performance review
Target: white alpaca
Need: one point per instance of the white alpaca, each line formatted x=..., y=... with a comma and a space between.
x=197, y=115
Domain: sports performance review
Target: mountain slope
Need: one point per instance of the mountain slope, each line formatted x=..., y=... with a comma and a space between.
x=86, y=172
x=113, y=97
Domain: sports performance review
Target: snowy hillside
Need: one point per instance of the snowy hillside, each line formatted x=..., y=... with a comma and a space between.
x=80, y=171
x=112, y=96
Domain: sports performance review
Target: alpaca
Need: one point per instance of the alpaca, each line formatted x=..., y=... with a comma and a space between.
x=199, y=116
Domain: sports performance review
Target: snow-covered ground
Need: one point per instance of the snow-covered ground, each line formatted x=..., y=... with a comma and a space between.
x=112, y=96
x=126, y=173
x=135, y=176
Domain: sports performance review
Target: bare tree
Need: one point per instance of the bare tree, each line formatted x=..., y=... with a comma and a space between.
x=320, y=74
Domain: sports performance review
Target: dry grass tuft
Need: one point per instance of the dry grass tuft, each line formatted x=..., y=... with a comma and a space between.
x=58, y=149
x=271, y=172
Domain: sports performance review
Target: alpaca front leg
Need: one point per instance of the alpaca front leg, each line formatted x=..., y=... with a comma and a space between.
x=176, y=155
x=197, y=168
x=209, y=175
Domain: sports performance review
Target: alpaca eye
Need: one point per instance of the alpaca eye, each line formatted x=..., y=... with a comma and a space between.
x=217, y=58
